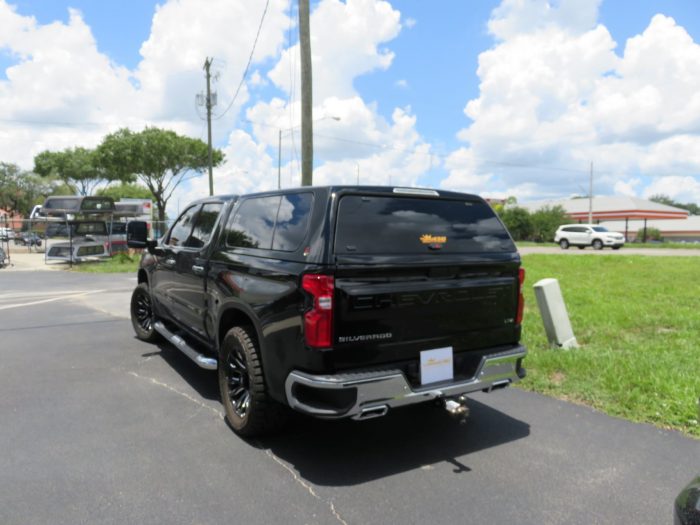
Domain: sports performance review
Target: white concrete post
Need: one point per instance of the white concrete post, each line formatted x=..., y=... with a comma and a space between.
x=554, y=315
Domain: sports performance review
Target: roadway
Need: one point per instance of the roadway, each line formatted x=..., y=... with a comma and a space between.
x=98, y=427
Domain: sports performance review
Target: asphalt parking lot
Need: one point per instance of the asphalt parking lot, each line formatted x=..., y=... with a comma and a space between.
x=98, y=427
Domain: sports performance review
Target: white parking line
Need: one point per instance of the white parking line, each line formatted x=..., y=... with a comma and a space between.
x=50, y=300
x=23, y=295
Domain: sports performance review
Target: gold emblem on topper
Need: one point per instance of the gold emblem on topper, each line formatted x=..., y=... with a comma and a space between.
x=432, y=239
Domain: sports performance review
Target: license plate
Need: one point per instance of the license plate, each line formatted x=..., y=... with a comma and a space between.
x=436, y=365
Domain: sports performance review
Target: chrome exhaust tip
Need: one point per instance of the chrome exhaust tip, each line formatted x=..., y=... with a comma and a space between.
x=372, y=412
x=457, y=407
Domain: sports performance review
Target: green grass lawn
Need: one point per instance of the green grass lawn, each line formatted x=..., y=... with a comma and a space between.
x=120, y=263
x=637, y=320
x=662, y=245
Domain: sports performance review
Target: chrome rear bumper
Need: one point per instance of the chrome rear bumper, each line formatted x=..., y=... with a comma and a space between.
x=370, y=394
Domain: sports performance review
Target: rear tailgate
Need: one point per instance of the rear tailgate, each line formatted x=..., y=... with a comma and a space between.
x=428, y=273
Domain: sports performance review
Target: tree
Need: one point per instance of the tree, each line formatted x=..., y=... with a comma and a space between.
x=77, y=167
x=518, y=222
x=125, y=191
x=156, y=157
x=694, y=209
x=21, y=190
x=545, y=222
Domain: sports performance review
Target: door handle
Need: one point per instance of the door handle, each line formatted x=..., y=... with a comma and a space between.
x=197, y=269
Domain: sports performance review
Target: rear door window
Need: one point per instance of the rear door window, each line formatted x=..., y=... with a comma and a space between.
x=409, y=225
x=253, y=224
x=278, y=222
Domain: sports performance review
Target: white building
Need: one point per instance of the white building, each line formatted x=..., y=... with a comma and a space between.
x=628, y=215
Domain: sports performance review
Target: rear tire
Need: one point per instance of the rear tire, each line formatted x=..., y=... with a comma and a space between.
x=564, y=244
x=142, y=317
x=249, y=409
x=597, y=244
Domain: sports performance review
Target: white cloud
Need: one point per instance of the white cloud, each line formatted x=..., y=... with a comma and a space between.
x=61, y=77
x=346, y=42
x=410, y=23
x=517, y=17
x=555, y=96
x=401, y=83
x=627, y=187
x=683, y=189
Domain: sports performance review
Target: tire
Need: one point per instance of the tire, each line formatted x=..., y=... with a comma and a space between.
x=142, y=317
x=249, y=409
x=597, y=244
x=564, y=244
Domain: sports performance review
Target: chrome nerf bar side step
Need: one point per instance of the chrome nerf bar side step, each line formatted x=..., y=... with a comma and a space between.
x=209, y=363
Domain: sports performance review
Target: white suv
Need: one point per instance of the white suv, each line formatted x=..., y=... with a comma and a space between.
x=583, y=235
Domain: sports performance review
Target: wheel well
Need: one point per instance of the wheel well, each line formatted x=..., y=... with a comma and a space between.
x=233, y=318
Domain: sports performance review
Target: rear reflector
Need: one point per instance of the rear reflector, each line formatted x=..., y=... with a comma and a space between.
x=521, y=299
x=318, y=321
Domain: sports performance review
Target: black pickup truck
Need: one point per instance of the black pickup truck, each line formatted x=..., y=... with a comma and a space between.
x=342, y=301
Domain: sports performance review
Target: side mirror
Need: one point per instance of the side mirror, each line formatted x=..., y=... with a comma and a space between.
x=137, y=234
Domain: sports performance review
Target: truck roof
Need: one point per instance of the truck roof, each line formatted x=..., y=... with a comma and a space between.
x=391, y=190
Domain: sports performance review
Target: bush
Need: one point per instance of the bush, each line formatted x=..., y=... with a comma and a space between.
x=518, y=222
x=653, y=234
x=545, y=222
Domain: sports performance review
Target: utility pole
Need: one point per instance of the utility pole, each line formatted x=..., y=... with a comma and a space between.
x=207, y=66
x=590, y=197
x=307, y=144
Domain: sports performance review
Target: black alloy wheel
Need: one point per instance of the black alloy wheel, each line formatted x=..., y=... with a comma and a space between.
x=250, y=411
x=238, y=383
x=142, y=317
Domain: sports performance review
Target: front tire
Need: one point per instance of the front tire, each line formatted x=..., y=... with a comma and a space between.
x=597, y=244
x=142, y=317
x=564, y=244
x=249, y=409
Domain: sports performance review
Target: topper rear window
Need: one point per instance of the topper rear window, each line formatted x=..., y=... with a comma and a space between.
x=406, y=225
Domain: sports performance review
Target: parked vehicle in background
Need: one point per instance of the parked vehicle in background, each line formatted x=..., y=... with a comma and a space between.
x=6, y=234
x=582, y=235
x=28, y=239
x=686, y=510
x=337, y=302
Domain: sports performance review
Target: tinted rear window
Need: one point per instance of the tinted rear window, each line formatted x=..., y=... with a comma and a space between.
x=404, y=225
x=292, y=221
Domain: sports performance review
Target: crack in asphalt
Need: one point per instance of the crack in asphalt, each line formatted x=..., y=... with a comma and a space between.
x=268, y=452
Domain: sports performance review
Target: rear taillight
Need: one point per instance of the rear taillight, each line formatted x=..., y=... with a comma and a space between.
x=521, y=299
x=318, y=321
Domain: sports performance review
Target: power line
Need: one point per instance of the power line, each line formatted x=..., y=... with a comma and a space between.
x=250, y=59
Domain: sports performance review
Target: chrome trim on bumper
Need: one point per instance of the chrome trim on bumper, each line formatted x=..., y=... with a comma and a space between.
x=381, y=390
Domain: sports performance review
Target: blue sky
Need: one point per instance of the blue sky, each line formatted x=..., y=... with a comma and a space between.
x=399, y=74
